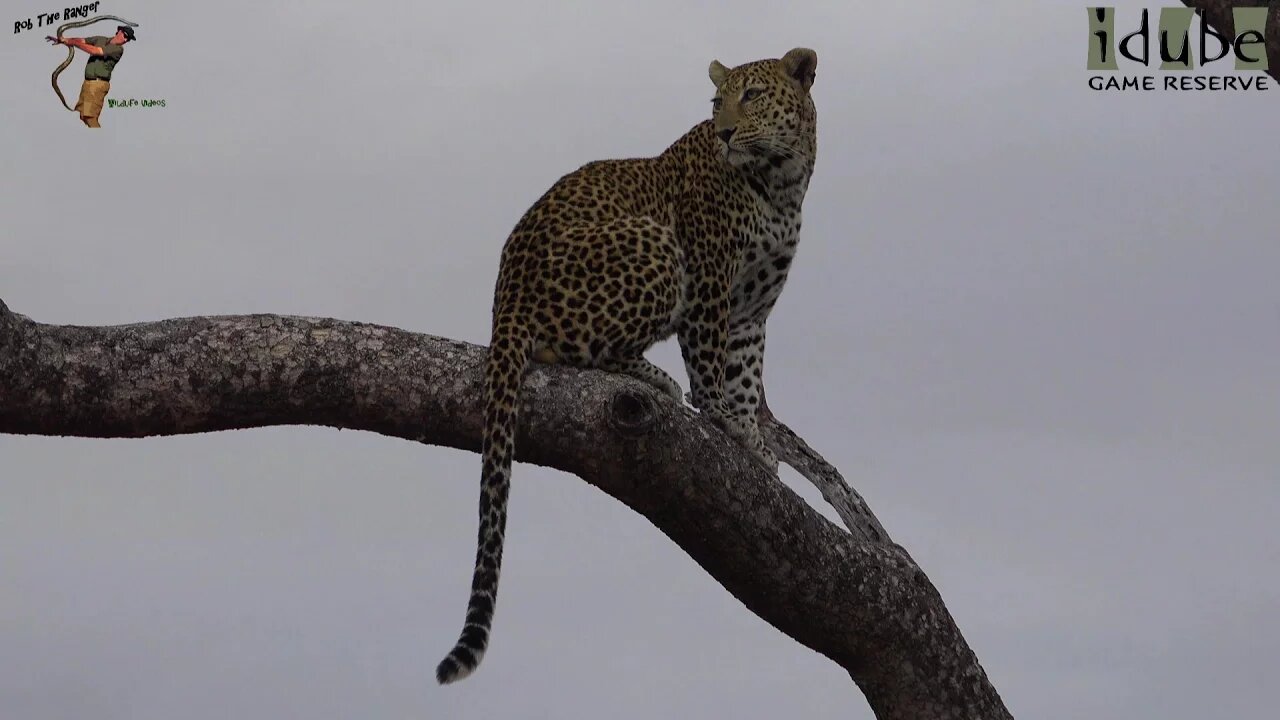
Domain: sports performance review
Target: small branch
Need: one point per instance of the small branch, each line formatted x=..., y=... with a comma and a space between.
x=794, y=451
x=864, y=604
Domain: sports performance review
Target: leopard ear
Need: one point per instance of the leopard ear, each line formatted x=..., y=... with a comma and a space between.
x=801, y=65
x=717, y=72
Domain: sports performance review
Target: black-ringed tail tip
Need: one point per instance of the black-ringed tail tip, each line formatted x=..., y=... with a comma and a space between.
x=460, y=663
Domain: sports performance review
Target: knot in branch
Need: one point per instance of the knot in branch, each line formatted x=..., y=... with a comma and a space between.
x=633, y=411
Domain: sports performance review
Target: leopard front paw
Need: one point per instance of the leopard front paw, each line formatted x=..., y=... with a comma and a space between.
x=699, y=402
x=755, y=443
x=767, y=458
x=748, y=436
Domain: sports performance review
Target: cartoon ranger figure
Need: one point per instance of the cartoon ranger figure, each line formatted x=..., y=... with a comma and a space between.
x=104, y=53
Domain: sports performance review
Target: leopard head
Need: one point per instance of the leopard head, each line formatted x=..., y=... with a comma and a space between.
x=763, y=113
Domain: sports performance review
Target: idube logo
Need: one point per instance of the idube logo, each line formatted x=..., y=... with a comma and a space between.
x=1174, y=45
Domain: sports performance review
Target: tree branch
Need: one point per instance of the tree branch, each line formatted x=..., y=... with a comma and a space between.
x=864, y=604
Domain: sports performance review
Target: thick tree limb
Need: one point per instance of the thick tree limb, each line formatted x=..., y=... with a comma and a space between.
x=1218, y=15
x=864, y=604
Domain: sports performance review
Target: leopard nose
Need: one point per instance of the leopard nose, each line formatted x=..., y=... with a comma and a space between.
x=725, y=134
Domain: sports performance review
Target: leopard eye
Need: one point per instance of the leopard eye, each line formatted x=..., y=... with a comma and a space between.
x=716, y=102
x=750, y=94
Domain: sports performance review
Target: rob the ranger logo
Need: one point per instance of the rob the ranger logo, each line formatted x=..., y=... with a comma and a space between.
x=1174, y=44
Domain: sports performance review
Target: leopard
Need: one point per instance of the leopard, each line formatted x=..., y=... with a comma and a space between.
x=619, y=255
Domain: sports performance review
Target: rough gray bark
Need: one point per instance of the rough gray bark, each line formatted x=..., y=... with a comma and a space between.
x=857, y=598
x=1218, y=14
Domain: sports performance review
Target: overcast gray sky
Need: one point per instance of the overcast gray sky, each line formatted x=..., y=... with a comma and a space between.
x=1036, y=325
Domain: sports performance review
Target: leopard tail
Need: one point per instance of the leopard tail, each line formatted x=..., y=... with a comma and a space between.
x=509, y=355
